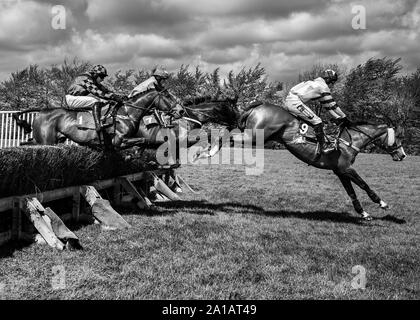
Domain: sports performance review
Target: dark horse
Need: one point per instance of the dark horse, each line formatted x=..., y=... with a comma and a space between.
x=198, y=112
x=196, y=115
x=298, y=137
x=52, y=126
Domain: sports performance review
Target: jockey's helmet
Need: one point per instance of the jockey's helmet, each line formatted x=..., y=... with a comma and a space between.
x=98, y=71
x=160, y=73
x=329, y=75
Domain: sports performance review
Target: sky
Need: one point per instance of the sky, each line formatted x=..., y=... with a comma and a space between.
x=286, y=37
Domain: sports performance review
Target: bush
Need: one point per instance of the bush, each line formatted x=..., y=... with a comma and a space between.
x=372, y=91
x=35, y=87
x=63, y=166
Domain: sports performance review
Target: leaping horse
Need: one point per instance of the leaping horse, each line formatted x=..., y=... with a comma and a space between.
x=221, y=111
x=197, y=113
x=299, y=138
x=52, y=126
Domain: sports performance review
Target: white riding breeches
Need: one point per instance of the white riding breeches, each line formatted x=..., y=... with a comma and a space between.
x=297, y=108
x=76, y=102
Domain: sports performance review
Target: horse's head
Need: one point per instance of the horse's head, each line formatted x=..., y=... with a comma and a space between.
x=224, y=113
x=160, y=100
x=217, y=111
x=170, y=104
x=391, y=142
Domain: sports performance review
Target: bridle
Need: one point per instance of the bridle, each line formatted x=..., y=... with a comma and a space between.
x=158, y=96
x=391, y=145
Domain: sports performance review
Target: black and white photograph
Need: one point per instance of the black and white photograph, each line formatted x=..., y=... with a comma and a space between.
x=225, y=152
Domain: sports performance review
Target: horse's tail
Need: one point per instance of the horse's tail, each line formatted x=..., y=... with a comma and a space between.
x=27, y=127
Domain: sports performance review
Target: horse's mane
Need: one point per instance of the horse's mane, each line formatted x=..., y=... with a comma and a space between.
x=212, y=101
x=216, y=110
x=361, y=123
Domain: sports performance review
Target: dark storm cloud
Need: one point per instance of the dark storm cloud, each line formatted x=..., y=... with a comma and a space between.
x=26, y=25
x=141, y=14
x=250, y=8
x=286, y=36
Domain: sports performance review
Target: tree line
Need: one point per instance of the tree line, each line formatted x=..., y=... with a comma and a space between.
x=374, y=91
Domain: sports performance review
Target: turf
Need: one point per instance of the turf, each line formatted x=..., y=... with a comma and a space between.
x=289, y=233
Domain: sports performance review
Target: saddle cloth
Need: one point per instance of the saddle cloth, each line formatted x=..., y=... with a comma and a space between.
x=150, y=120
x=306, y=134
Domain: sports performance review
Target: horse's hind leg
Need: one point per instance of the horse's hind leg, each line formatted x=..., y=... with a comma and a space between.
x=46, y=136
x=354, y=176
x=346, y=182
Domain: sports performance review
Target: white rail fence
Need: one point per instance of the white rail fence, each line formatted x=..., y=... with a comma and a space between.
x=11, y=135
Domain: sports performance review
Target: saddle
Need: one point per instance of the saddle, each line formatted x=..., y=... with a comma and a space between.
x=108, y=118
x=157, y=119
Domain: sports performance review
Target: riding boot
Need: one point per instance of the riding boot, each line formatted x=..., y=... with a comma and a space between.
x=97, y=116
x=320, y=136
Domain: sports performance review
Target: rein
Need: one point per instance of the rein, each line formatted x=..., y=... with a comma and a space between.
x=195, y=111
x=390, y=136
x=149, y=106
x=193, y=120
x=349, y=144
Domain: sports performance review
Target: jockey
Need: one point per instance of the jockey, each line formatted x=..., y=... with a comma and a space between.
x=160, y=75
x=156, y=82
x=319, y=90
x=87, y=91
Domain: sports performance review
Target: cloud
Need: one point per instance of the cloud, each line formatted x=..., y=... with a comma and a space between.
x=285, y=36
x=250, y=8
x=25, y=25
x=141, y=13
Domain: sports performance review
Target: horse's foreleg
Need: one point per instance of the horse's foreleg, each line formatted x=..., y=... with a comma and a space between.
x=346, y=182
x=212, y=149
x=354, y=176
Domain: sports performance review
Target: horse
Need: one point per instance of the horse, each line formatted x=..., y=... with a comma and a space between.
x=299, y=138
x=53, y=126
x=198, y=112
x=196, y=115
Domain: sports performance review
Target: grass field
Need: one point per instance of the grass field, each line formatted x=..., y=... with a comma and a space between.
x=290, y=233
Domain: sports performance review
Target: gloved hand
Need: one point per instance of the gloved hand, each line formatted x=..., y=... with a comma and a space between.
x=119, y=98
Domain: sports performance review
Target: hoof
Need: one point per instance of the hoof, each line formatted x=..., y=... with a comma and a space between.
x=383, y=205
x=366, y=216
x=195, y=158
x=199, y=156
